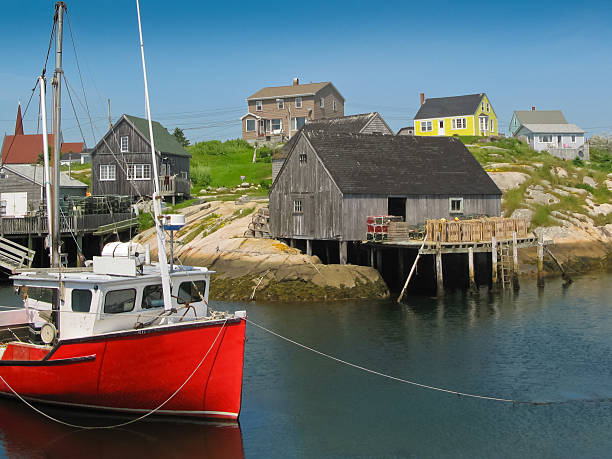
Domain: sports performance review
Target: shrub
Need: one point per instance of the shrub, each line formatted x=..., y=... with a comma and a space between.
x=578, y=162
x=266, y=184
x=200, y=175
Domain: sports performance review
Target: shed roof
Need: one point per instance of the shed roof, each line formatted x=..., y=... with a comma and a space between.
x=565, y=128
x=401, y=165
x=350, y=124
x=164, y=141
x=308, y=89
x=449, y=106
x=540, y=116
x=35, y=173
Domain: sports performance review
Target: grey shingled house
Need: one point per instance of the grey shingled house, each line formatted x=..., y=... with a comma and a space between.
x=331, y=182
x=121, y=161
x=363, y=123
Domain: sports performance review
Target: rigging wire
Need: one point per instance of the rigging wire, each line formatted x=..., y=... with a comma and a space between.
x=73, y=108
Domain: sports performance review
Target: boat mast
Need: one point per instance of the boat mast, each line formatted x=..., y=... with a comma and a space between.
x=157, y=198
x=60, y=7
x=43, y=115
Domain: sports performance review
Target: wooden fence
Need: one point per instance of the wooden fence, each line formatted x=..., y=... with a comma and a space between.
x=77, y=223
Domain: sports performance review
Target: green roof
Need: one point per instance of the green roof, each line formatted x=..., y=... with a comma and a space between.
x=164, y=141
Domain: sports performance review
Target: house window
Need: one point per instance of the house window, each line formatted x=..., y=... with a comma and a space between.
x=125, y=140
x=459, y=123
x=298, y=102
x=262, y=127
x=297, y=206
x=492, y=125
x=483, y=123
x=426, y=126
x=573, y=138
x=487, y=107
x=545, y=138
x=298, y=122
x=258, y=105
x=334, y=104
x=139, y=171
x=322, y=102
x=277, y=125
x=482, y=105
x=107, y=172
x=281, y=104
x=268, y=125
x=455, y=205
x=303, y=158
x=250, y=125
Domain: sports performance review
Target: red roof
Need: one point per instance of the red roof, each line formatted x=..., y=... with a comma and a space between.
x=19, y=122
x=25, y=149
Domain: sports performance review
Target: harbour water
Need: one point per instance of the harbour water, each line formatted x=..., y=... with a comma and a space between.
x=544, y=345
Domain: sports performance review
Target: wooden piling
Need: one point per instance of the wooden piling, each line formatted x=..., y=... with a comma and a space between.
x=309, y=247
x=540, y=261
x=379, y=260
x=439, y=275
x=515, y=277
x=371, y=257
x=327, y=253
x=471, y=268
x=494, y=270
x=343, y=252
x=414, y=265
x=400, y=265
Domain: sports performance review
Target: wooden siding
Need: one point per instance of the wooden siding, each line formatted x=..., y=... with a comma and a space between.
x=355, y=210
x=270, y=111
x=15, y=183
x=321, y=200
x=276, y=167
x=377, y=125
x=329, y=94
x=139, y=153
x=422, y=208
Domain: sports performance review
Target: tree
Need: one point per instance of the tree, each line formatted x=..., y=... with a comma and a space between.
x=180, y=136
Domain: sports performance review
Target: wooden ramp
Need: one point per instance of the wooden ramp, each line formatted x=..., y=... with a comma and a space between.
x=14, y=256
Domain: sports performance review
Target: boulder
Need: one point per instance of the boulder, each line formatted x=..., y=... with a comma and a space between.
x=589, y=181
x=245, y=185
x=608, y=184
x=525, y=214
x=535, y=194
x=508, y=180
x=560, y=172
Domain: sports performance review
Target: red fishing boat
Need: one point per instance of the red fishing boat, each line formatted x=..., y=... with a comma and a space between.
x=123, y=334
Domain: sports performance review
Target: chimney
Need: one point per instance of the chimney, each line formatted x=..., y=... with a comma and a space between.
x=533, y=108
x=19, y=122
x=422, y=98
x=296, y=81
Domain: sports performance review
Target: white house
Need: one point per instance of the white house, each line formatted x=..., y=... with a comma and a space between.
x=548, y=130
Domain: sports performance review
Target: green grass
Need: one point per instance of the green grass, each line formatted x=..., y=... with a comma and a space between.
x=145, y=221
x=541, y=216
x=227, y=162
x=76, y=167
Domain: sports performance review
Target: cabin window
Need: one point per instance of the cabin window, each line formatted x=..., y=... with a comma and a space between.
x=139, y=171
x=426, y=126
x=459, y=123
x=281, y=104
x=152, y=297
x=81, y=300
x=250, y=125
x=125, y=140
x=297, y=207
x=107, y=172
x=298, y=102
x=322, y=102
x=44, y=295
x=277, y=124
x=455, y=205
x=259, y=105
x=303, y=158
x=118, y=301
x=298, y=122
x=191, y=292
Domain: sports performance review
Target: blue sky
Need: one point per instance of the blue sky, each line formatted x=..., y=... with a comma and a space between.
x=205, y=58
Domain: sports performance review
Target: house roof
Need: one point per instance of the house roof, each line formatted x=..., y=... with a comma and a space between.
x=449, y=106
x=350, y=124
x=554, y=128
x=25, y=149
x=406, y=129
x=73, y=147
x=164, y=141
x=308, y=89
x=35, y=173
x=402, y=165
x=540, y=117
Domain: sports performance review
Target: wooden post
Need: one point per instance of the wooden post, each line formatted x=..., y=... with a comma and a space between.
x=343, y=252
x=292, y=243
x=371, y=257
x=515, y=279
x=379, y=260
x=309, y=247
x=439, y=275
x=471, y=268
x=79, y=240
x=540, y=261
x=400, y=267
x=414, y=265
x=327, y=253
x=494, y=261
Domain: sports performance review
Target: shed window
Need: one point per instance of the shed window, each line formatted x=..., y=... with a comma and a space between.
x=191, y=292
x=152, y=297
x=250, y=125
x=281, y=104
x=459, y=123
x=298, y=102
x=118, y=301
x=81, y=300
x=258, y=105
x=139, y=171
x=297, y=206
x=426, y=126
x=125, y=140
x=107, y=172
x=455, y=205
x=303, y=158
x=334, y=104
x=322, y=102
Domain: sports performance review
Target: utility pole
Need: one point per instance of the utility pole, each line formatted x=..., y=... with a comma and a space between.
x=110, y=123
x=57, y=113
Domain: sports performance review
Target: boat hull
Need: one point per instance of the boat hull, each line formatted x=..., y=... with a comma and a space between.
x=137, y=370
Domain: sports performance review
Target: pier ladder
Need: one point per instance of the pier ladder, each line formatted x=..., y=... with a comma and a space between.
x=506, y=265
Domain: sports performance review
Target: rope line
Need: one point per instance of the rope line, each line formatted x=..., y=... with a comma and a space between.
x=122, y=424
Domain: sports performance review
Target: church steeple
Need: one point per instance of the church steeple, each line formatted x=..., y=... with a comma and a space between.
x=19, y=122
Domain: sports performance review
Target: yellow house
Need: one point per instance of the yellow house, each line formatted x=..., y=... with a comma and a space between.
x=472, y=114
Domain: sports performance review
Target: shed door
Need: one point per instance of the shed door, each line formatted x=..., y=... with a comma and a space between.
x=16, y=203
x=302, y=215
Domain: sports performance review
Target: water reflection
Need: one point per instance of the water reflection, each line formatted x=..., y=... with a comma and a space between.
x=27, y=434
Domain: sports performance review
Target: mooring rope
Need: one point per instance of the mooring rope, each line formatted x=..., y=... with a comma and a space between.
x=417, y=384
x=122, y=424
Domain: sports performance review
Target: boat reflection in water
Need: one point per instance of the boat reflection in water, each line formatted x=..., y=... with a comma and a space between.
x=25, y=433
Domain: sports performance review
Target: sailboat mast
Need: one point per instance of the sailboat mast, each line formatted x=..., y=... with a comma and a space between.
x=157, y=198
x=57, y=141
x=47, y=184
